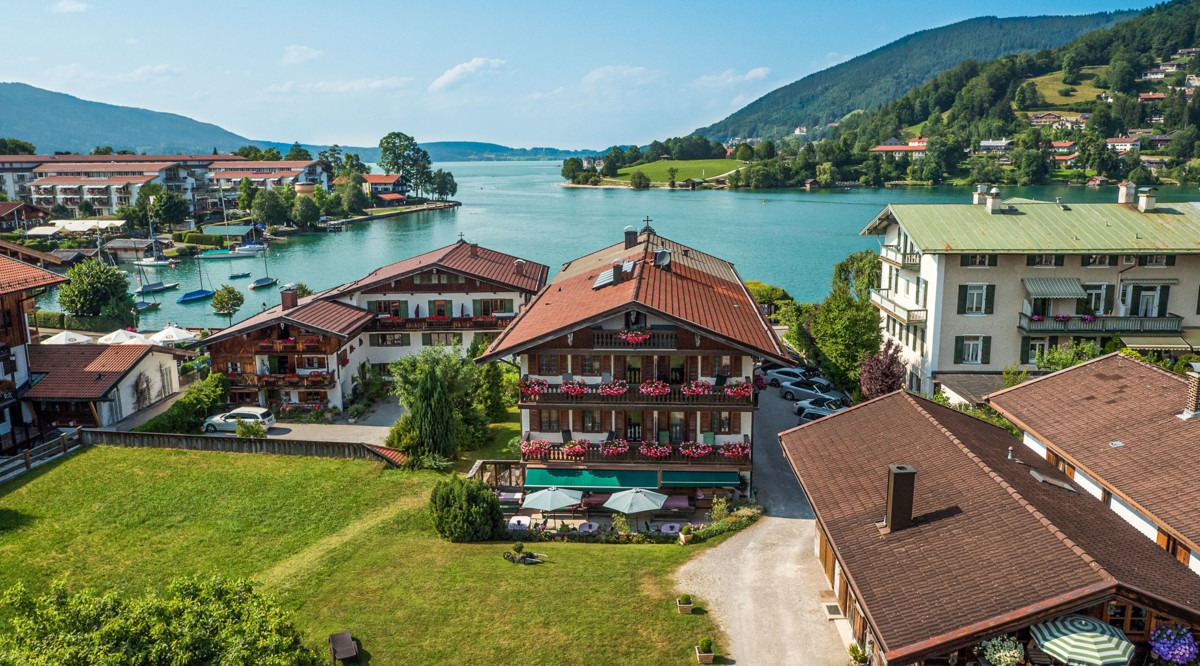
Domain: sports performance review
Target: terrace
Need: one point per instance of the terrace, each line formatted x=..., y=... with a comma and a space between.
x=311, y=380
x=1099, y=324
x=555, y=395
x=631, y=452
x=882, y=299
x=389, y=323
x=906, y=260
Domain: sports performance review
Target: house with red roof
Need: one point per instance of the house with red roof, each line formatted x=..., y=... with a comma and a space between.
x=228, y=174
x=390, y=188
x=915, y=152
x=20, y=282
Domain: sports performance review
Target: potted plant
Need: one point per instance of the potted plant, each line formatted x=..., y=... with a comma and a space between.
x=684, y=604
x=704, y=651
x=685, y=534
x=858, y=655
x=1003, y=650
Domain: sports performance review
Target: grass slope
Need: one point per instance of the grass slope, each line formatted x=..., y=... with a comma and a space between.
x=657, y=171
x=1049, y=85
x=346, y=545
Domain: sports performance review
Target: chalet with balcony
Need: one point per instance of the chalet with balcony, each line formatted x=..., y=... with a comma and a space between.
x=20, y=285
x=636, y=364
x=306, y=351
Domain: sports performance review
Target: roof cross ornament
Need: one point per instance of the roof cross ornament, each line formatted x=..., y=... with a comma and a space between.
x=460, y=235
x=647, y=229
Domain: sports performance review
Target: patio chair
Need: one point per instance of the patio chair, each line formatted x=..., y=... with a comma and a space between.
x=1036, y=655
x=709, y=438
x=342, y=647
x=612, y=434
x=605, y=377
x=721, y=379
x=566, y=377
x=566, y=436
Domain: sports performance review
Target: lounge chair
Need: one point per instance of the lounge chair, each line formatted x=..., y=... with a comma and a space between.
x=721, y=379
x=566, y=436
x=343, y=647
x=605, y=377
x=612, y=434
x=1036, y=655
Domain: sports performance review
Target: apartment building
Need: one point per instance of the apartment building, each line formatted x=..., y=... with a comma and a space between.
x=228, y=174
x=968, y=289
x=106, y=186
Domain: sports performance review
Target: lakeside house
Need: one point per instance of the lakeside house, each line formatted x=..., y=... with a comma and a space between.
x=969, y=289
x=128, y=250
x=389, y=188
x=1123, y=144
x=642, y=355
x=105, y=186
x=935, y=535
x=1126, y=432
x=1062, y=146
x=1151, y=97
x=1065, y=160
x=20, y=215
x=306, y=351
x=996, y=146
x=20, y=284
x=915, y=152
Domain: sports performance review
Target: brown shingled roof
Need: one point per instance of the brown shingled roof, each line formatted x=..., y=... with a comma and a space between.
x=991, y=548
x=700, y=290
x=1080, y=411
x=489, y=265
x=81, y=372
x=19, y=276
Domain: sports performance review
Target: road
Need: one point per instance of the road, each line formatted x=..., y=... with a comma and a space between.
x=763, y=585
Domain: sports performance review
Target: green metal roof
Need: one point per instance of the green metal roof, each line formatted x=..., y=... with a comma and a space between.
x=701, y=479
x=1077, y=228
x=1173, y=342
x=591, y=479
x=228, y=229
x=1043, y=287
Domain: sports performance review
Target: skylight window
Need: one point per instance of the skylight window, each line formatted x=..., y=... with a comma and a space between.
x=1054, y=482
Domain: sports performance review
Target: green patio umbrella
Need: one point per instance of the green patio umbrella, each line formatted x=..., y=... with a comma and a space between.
x=552, y=499
x=636, y=500
x=1080, y=640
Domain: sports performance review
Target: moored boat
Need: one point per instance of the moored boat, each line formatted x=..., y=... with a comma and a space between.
x=155, y=287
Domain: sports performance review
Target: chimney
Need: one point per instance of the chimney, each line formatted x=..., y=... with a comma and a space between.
x=1146, y=200
x=993, y=202
x=474, y=249
x=899, y=498
x=1125, y=192
x=519, y=266
x=1191, y=409
x=288, y=297
x=618, y=271
x=630, y=237
x=979, y=195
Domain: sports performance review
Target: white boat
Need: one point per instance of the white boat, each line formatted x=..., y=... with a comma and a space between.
x=155, y=261
x=250, y=247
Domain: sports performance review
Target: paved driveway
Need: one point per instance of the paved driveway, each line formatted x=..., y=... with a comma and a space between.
x=763, y=585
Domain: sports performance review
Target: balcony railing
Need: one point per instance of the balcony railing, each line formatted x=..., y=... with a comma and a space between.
x=435, y=324
x=633, y=456
x=1100, y=324
x=323, y=380
x=612, y=340
x=311, y=346
x=718, y=398
x=882, y=299
x=909, y=260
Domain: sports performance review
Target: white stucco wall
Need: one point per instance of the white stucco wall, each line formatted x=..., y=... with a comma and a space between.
x=163, y=373
x=1140, y=522
x=1033, y=443
x=1089, y=485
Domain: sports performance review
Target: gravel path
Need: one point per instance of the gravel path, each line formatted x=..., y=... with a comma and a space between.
x=763, y=585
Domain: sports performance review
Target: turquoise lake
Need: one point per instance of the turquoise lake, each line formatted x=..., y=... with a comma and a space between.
x=784, y=237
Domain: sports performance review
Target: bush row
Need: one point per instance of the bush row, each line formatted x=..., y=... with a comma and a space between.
x=188, y=413
x=197, y=238
x=45, y=319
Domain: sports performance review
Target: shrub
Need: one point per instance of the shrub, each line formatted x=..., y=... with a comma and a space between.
x=187, y=251
x=46, y=319
x=465, y=511
x=706, y=644
x=197, y=238
x=686, y=529
x=251, y=429
x=620, y=524
x=178, y=236
x=93, y=324
x=187, y=368
x=685, y=599
x=857, y=654
x=1184, y=365
x=518, y=548
x=1002, y=650
x=188, y=413
x=719, y=510
x=356, y=411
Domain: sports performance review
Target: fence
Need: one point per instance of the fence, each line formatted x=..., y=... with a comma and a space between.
x=30, y=458
x=282, y=447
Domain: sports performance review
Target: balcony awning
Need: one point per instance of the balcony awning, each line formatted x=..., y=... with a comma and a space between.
x=1192, y=337
x=1149, y=282
x=701, y=479
x=1041, y=287
x=1172, y=342
x=591, y=479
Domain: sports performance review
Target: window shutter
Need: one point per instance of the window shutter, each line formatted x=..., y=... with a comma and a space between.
x=1080, y=305
x=989, y=300
x=1030, y=259
x=648, y=368
x=508, y=305
x=619, y=424
x=1053, y=341
x=1110, y=293
x=1198, y=303
x=1114, y=259
x=1083, y=260
x=1143, y=260
x=993, y=259
x=1024, y=350
x=1059, y=259
x=693, y=367
x=606, y=364
x=404, y=309
x=429, y=311
x=576, y=420
x=1170, y=260
x=735, y=423
x=606, y=419
x=706, y=421
x=577, y=364
x=985, y=354
x=958, y=349
x=964, y=260
x=618, y=368
x=962, y=299
x=427, y=339
x=458, y=338
x=1135, y=298
x=735, y=366
x=1164, y=293
x=706, y=362
x=476, y=310
x=562, y=363
x=535, y=419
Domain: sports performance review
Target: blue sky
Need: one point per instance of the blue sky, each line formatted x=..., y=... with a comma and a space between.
x=560, y=74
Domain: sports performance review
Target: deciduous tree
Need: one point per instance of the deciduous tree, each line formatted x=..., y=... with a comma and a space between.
x=305, y=212
x=169, y=208
x=246, y=194
x=882, y=372
x=227, y=301
x=95, y=289
x=297, y=153
x=268, y=209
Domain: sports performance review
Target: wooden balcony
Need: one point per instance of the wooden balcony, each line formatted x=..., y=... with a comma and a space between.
x=604, y=339
x=397, y=324
x=906, y=260
x=250, y=380
x=594, y=457
x=884, y=300
x=1100, y=324
x=312, y=346
x=634, y=398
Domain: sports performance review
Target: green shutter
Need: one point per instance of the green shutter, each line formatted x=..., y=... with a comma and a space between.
x=1114, y=259
x=1083, y=260
x=404, y=309
x=1080, y=305
x=1164, y=293
x=985, y=353
x=962, y=299
x=458, y=338
x=1030, y=259
x=989, y=299
x=475, y=308
x=427, y=339
x=1135, y=297
x=374, y=339
x=1053, y=341
x=1170, y=260
x=429, y=308
x=1110, y=295
x=1143, y=260
x=1198, y=303
x=508, y=306
x=1059, y=259
x=958, y=349
x=993, y=259
x=1024, y=350
x=964, y=260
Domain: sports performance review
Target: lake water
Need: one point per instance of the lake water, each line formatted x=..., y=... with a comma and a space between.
x=788, y=238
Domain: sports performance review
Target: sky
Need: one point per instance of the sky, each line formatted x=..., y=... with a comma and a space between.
x=522, y=74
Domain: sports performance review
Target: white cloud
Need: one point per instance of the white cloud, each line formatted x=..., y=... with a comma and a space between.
x=741, y=100
x=295, y=54
x=145, y=73
x=278, y=88
x=729, y=78
x=464, y=70
x=617, y=76
x=149, y=73
x=357, y=85
x=546, y=95
x=68, y=7
x=131, y=41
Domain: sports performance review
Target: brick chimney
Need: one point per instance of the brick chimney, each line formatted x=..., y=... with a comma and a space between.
x=630, y=237
x=1146, y=200
x=1126, y=191
x=901, y=484
x=473, y=249
x=1191, y=408
x=618, y=271
x=288, y=297
x=519, y=266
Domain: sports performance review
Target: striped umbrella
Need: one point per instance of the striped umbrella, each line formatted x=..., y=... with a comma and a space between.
x=1080, y=640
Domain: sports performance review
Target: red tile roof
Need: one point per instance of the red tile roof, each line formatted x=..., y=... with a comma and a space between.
x=490, y=265
x=81, y=372
x=18, y=276
x=1079, y=411
x=256, y=175
x=281, y=164
x=60, y=168
x=7, y=208
x=897, y=149
x=391, y=196
x=85, y=180
x=991, y=547
x=1065, y=158
x=1062, y=144
x=699, y=290
x=118, y=158
x=382, y=178
x=314, y=313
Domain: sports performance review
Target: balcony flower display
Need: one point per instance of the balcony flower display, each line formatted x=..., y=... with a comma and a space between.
x=654, y=387
x=437, y=318
x=615, y=387
x=1174, y=643
x=695, y=449
x=652, y=450
x=1037, y=317
x=1088, y=318
x=634, y=336
x=614, y=447
x=735, y=450
x=697, y=387
x=533, y=386
x=760, y=383
x=574, y=387
x=739, y=390
x=1062, y=317
x=535, y=447
x=1002, y=651
x=577, y=447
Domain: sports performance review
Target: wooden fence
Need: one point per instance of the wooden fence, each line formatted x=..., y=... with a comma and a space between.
x=283, y=447
x=30, y=458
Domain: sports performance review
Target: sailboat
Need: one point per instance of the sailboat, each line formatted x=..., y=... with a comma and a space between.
x=158, y=259
x=200, y=294
x=267, y=280
x=234, y=275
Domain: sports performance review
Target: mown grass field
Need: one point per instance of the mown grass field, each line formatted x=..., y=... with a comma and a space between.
x=657, y=171
x=347, y=546
x=1049, y=85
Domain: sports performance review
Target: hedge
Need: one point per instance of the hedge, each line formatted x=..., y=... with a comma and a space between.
x=197, y=238
x=178, y=236
x=189, y=411
x=45, y=319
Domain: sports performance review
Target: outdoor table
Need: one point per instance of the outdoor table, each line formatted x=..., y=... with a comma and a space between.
x=589, y=528
x=671, y=528
x=676, y=502
x=597, y=499
x=518, y=523
x=511, y=498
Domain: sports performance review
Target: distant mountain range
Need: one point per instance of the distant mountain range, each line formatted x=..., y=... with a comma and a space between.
x=879, y=76
x=54, y=122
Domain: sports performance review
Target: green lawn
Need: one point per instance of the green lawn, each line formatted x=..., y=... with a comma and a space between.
x=657, y=171
x=497, y=447
x=1049, y=85
x=347, y=546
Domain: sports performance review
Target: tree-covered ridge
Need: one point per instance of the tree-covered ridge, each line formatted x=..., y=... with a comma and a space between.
x=873, y=78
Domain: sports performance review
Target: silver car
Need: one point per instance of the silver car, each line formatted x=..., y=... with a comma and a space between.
x=229, y=420
x=815, y=408
x=804, y=390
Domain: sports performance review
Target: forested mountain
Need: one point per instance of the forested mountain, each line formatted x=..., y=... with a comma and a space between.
x=886, y=73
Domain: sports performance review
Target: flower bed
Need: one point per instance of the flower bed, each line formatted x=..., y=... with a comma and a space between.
x=634, y=336
x=739, y=390
x=760, y=383
x=533, y=386
x=615, y=447
x=577, y=447
x=652, y=450
x=1174, y=643
x=654, y=387
x=535, y=447
x=615, y=387
x=697, y=387
x=735, y=450
x=695, y=449
x=574, y=387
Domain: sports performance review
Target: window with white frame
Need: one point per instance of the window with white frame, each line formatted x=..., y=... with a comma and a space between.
x=973, y=349
x=1098, y=260
x=976, y=298
x=1156, y=260
x=1043, y=260
x=977, y=260
x=1037, y=347
x=1094, y=301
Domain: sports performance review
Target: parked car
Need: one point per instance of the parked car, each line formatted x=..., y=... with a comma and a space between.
x=229, y=420
x=803, y=390
x=815, y=408
x=783, y=375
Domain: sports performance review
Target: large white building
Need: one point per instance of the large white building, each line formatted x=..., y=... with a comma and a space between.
x=106, y=186
x=228, y=175
x=968, y=289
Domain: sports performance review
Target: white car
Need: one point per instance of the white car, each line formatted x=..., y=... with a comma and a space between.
x=785, y=375
x=229, y=420
x=815, y=408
